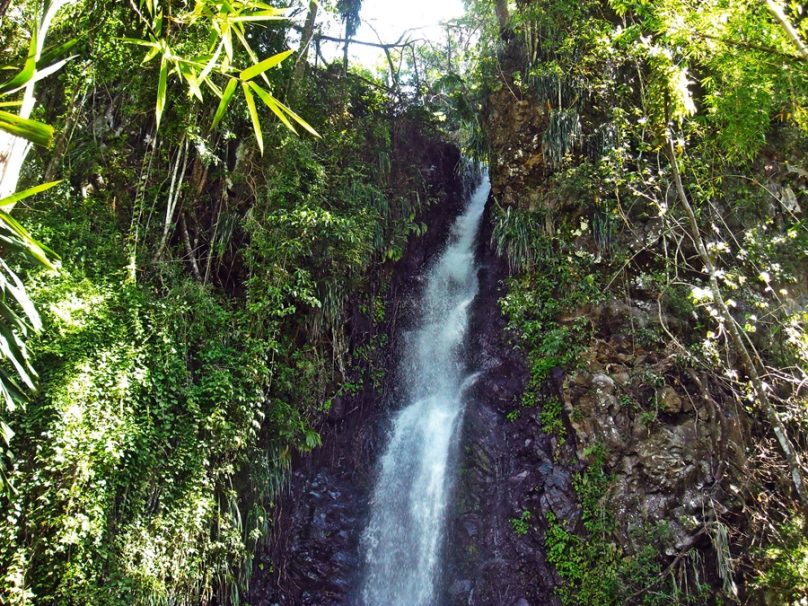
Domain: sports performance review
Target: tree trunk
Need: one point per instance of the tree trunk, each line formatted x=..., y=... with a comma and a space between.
x=345, y=50
x=303, y=51
x=503, y=17
x=780, y=15
x=3, y=8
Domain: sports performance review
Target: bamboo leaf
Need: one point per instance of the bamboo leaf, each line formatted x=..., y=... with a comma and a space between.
x=11, y=391
x=52, y=53
x=256, y=122
x=10, y=201
x=10, y=349
x=212, y=62
x=261, y=67
x=42, y=73
x=161, y=90
x=6, y=433
x=227, y=95
x=272, y=104
x=11, y=284
x=259, y=16
x=32, y=130
x=139, y=42
x=298, y=119
x=227, y=39
x=27, y=72
x=13, y=232
x=150, y=55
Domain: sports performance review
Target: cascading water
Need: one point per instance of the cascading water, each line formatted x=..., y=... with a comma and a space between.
x=402, y=542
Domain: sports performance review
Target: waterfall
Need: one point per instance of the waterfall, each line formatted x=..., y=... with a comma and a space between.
x=401, y=546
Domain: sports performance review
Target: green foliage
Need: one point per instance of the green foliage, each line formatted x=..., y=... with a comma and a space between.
x=198, y=323
x=349, y=12
x=152, y=408
x=613, y=83
x=521, y=525
x=783, y=577
x=171, y=26
x=551, y=419
x=594, y=569
x=537, y=300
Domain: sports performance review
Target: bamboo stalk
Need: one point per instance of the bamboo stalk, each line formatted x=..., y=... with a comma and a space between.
x=780, y=15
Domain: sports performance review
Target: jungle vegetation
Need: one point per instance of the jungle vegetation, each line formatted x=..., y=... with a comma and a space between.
x=195, y=208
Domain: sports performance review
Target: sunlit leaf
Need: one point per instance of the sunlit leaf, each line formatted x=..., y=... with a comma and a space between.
x=256, y=122
x=261, y=67
x=298, y=119
x=32, y=130
x=10, y=391
x=227, y=40
x=28, y=70
x=6, y=433
x=260, y=16
x=161, y=90
x=227, y=95
x=10, y=201
x=13, y=350
x=272, y=104
x=11, y=230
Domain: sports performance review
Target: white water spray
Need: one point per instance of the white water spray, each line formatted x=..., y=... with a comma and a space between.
x=402, y=543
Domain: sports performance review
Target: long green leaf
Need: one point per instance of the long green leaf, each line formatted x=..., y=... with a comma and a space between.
x=272, y=104
x=6, y=433
x=11, y=350
x=253, y=17
x=139, y=42
x=227, y=95
x=10, y=283
x=11, y=391
x=11, y=200
x=256, y=122
x=298, y=119
x=27, y=72
x=31, y=130
x=13, y=319
x=261, y=67
x=162, y=84
x=11, y=230
x=52, y=53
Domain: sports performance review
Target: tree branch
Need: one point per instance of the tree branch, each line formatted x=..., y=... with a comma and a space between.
x=772, y=416
x=381, y=45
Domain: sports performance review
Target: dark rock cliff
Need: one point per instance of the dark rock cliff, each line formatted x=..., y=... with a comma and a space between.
x=504, y=469
x=313, y=554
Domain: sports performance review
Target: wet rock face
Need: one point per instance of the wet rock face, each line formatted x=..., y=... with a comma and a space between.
x=505, y=468
x=322, y=553
x=312, y=558
x=518, y=168
x=662, y=433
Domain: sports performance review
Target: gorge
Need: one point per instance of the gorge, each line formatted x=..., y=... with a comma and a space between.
x=268, y=338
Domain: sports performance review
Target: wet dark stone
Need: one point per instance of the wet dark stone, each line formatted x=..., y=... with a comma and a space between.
x=313, y=558
x=504, y=467
x=461, y=588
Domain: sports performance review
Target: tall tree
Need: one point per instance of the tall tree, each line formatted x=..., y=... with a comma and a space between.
x=349, y=12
